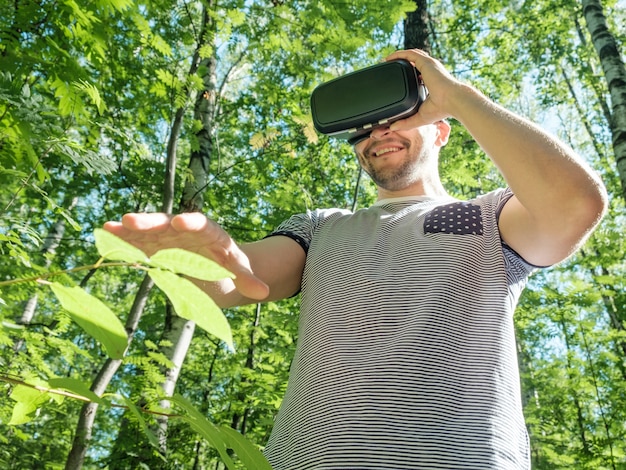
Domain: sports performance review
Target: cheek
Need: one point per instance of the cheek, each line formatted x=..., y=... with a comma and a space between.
x=359, y=157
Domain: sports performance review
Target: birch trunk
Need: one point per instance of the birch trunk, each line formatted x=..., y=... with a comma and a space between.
x=608, y=52
x=179, y=331
x=87, y=417
x=53, y=240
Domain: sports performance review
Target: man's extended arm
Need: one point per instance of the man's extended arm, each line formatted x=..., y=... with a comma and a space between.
x=270, y=269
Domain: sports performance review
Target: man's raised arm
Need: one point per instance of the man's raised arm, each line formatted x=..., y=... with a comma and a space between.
x=558, y=199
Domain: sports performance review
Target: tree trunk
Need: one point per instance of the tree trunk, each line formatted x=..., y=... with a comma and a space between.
x=608, y=51
x=53, y=240
x=87, y=417
x=204, y=111
x=239, y=421
x=580, y=419
x=178, y=331
x=84, y=429
x=416, y=27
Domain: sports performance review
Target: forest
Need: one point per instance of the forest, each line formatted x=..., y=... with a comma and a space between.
x=109, y=360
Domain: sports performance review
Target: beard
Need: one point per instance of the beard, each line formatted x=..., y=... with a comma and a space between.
x=393, y=179
x=396, y=177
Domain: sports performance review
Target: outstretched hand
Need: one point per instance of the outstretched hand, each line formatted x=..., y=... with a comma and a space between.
x=193, y=232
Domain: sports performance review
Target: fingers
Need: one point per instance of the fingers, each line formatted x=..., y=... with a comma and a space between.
x=191, y=222
x=139, y=229
x=409, y=123
x=113, y=227
x=251, y=287
x=148, y=232
x=442, y=86
x=146, y=222
x=157, y=222
x=416, y=56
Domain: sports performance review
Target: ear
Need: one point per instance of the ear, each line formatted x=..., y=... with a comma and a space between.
x=443, y=129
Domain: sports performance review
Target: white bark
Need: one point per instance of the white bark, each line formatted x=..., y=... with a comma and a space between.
x=608, y=51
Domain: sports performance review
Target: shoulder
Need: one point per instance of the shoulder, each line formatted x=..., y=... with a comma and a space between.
x=302, y=227
x=312, y=218
x=495, y=200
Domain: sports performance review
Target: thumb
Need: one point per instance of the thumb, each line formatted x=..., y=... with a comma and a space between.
x=246, y=282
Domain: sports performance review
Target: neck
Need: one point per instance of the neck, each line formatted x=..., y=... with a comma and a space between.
x=419, y=188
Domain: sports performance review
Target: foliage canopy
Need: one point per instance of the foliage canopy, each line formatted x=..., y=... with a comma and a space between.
x=99, y=103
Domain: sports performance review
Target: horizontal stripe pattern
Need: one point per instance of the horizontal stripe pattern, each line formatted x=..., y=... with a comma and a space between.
x=406, y=351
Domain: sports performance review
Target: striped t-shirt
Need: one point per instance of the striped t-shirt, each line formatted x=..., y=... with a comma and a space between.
x=406, y=353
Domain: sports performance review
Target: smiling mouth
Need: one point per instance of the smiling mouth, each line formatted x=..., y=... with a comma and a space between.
x=382, y=151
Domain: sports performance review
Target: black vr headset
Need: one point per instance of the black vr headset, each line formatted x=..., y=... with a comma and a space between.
x=351, y=106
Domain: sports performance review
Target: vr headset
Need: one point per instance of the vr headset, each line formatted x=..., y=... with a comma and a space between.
x=351, y=106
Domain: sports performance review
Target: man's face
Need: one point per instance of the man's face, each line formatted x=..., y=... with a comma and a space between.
x=395, y=160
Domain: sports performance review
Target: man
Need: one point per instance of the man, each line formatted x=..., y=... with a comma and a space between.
x=406, y=353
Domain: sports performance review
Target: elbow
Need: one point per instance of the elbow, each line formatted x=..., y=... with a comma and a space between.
x=579, y=221
x=596, y=204
x=590, y=208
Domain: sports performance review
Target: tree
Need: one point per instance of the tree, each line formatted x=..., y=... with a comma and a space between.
x=417, y=27
x=612, y=64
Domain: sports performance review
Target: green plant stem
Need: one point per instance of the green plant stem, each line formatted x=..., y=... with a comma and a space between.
x=97, y=265
x=65, y=393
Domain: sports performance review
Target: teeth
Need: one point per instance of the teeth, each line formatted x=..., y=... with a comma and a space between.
x=386, y=150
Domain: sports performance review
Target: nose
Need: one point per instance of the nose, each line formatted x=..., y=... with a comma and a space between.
x=375, y=134
x=379, y=132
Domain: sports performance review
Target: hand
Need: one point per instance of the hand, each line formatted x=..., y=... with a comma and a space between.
x=440, y=83
x=192, y=232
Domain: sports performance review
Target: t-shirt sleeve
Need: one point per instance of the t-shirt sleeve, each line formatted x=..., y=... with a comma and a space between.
x=517, y=266
x=301, y=227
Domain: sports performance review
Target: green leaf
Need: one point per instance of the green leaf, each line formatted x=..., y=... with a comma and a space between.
x=205, y=428
x=247, y=452
x=94, y=317
x=192, y=303
x=119, y=5
x=28, y=402
x=92, y=92
x=66, y=215
x=114, y=248
x=76, y=387
x=190, y=264
x=223, y=438
x=142, y=422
